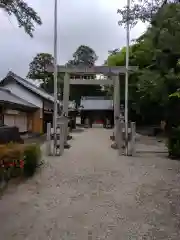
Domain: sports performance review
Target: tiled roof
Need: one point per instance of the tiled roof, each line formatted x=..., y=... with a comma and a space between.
x=27, y=84
x=8, y=97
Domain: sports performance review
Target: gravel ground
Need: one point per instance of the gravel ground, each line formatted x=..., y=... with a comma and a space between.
x=92, y=193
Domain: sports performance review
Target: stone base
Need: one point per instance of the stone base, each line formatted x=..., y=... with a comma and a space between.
x=114, y=145
x=69, y=137
x=112, y=138
x=67, y=146
x=108, y=127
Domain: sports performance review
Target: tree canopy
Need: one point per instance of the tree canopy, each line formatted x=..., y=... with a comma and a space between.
x=84, y=55
x=157, y=54
x=37, y=71
x=26, y=16
x=143, y=10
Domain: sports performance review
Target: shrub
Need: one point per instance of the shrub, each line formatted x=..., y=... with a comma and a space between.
x=174, y=143
x=10, y=156
x=17, y=160
x=32, y=156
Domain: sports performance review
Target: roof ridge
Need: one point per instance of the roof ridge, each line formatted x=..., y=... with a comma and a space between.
x=25, y=81
x=14, y=95
x=5, y=89
x=16, y=98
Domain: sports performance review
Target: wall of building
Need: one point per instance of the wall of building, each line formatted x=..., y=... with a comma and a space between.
x=16, y=118
x=37, y=122
x=34, y=119
x=24, y=94
x=96, y=104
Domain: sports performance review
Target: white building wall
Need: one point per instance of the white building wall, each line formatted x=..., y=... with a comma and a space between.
x=97, y=104
x=24, y=94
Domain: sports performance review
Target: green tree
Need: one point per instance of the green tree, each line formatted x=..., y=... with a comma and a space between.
x=25, y=15
x=114, y=51
x=117, y=58
x=164, y=37
x=84, y=55
x=38, y=71
x=143, y=10
x=157, y=54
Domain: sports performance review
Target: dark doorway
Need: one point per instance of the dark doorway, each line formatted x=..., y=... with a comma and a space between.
x=48, y=118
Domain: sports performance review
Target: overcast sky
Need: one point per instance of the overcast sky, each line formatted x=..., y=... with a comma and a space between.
x=88, y=22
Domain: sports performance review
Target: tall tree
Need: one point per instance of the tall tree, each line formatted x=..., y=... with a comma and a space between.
x=38, y=71
x=25, y=15
x=84, y=55
x=157, y=54
x=143, y=10
x=114, y=51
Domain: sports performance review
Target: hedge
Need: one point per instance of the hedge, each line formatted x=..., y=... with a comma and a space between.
x=18, y=160
x=174, y=143
x=32, y=156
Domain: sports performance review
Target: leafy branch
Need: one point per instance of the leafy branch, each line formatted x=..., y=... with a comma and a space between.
x=25, y=15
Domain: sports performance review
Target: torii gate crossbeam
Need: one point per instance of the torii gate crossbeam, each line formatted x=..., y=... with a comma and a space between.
x=114, y=73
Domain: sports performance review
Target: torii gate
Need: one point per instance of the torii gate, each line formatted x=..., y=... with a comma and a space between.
x=113, y=78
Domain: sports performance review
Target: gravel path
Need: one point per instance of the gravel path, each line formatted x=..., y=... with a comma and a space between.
x=91, y=193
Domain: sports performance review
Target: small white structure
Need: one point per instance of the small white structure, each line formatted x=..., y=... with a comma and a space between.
x=90, y=103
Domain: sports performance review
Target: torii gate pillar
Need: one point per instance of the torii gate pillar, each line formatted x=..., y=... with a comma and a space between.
x=116, y=99
x=115, y=72
x=66, y=93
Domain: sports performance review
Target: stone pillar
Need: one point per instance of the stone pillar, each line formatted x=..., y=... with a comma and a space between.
x=133, y=138
x=48, y=140
x=66, y=100
x=120, y=137
x=62, y=131
x=87, y=122
x=66, y=93
x=116, y=105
